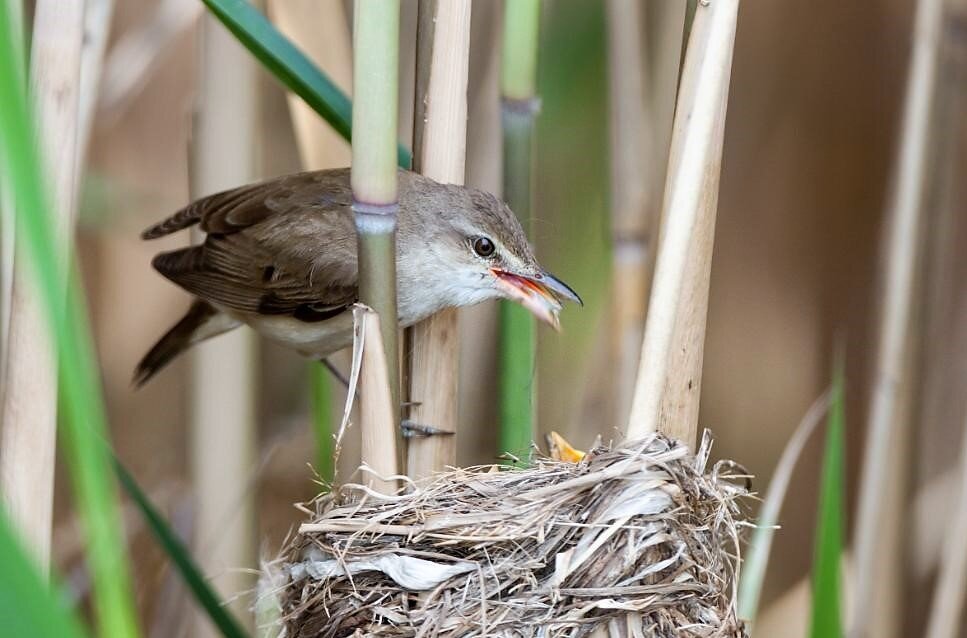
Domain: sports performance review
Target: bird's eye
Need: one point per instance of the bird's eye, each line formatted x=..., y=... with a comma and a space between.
x=483, y=246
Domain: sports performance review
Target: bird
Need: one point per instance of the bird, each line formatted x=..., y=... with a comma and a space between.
x=280, y=256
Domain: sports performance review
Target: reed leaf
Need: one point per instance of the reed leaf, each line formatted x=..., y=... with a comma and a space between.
x=180, y=556
x=28, y=605
x=290, y=66
x=84, y=421
x=757, y=558
x=826, y=619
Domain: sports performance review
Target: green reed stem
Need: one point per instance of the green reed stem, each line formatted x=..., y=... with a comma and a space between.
x=374, y=178
x=519, y=106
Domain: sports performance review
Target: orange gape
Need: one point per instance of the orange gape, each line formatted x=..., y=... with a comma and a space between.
x=561, y=450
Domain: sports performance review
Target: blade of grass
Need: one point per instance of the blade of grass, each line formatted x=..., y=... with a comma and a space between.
x=826, y=619
x=756, y=561
x=180, y=556
x=28, y=605
x=290, y=66
x=84, y=422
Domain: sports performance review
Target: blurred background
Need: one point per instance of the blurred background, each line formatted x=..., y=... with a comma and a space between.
x=811, y=132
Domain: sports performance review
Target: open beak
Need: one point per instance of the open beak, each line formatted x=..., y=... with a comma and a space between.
x=541, y=294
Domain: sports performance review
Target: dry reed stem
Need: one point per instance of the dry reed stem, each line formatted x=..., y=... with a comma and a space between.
x=669, y=373
x=644, y=534
x=97, y=27
x=28, y=448
x=645, y=43
x=948, y=602
x=139, y=51
x=634, y=213
x=222, y=413
x=376, y=414
x=886, y=424
x=440, y=132
x=320, y=29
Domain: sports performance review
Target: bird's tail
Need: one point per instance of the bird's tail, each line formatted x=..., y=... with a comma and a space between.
x=200, y=322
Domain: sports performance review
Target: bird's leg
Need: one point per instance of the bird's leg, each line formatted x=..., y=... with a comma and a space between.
x=409, y=428
x=334, y=371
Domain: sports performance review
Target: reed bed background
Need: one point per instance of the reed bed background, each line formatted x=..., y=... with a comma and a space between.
x=835, y=146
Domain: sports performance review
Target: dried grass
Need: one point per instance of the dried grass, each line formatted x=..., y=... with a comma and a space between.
x=643, y=536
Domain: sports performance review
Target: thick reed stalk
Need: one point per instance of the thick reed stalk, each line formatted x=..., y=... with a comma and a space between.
x=519, y=107
x=439, y=152
x=320, y=29
x=375, y=185
x=224, y=388
x=888, y=420
x=29, y=410
x=379, y=409
x=669, y=373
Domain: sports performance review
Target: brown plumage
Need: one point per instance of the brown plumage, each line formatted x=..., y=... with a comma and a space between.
x=280, y=255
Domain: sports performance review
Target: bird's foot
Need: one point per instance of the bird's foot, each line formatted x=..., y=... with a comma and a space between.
x=412, y=429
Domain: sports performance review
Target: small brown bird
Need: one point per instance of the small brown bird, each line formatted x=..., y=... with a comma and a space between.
x=280, y=256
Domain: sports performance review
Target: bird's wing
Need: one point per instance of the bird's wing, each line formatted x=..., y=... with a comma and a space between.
x=290, y=249
x=239, y=208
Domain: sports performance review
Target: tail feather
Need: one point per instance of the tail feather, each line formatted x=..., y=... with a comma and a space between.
x=197, y=324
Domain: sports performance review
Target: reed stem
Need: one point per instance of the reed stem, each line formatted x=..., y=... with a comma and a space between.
x=888, y=421
x=29, y=408
x=670, y=367
x=374, y=177
x=223, y=399
x=439, y=151
x=519, y=108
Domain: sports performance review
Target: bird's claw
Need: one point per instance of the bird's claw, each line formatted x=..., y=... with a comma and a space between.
x=412, y=429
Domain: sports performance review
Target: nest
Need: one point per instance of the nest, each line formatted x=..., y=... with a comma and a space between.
x=639, y=540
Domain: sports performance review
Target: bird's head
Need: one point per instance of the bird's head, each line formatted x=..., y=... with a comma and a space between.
x=480, y=249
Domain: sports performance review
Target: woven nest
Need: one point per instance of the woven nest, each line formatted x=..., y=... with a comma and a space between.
x=640, y=540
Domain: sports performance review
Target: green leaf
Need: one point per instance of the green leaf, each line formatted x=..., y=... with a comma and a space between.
x=83, y=430
x=290, y=66
x=180, y=556
x=28, y=606
x=826, y=612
